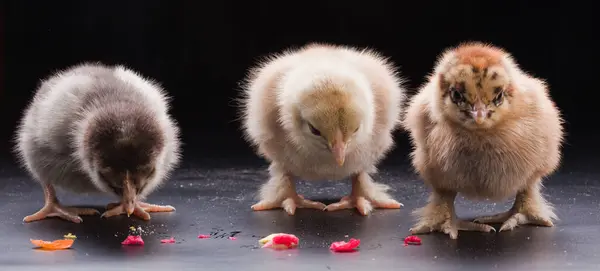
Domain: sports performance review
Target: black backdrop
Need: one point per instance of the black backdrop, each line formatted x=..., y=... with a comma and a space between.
x=200, y=50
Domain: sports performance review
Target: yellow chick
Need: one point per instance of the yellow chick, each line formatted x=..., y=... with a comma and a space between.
x=323, y=112
x=484, y=128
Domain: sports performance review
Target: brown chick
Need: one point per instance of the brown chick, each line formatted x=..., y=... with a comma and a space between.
x=323, y=112
x=484, y=128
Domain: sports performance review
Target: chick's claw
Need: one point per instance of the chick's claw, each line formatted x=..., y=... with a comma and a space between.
x=288, y=204
x=451, y=228
x=511, y=220
x=366, y=195
x=153, y=208
x=56, y=210
x=362, y=204
x=141, y=210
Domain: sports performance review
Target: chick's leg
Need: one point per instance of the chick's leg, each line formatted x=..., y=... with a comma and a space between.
x=530, y=207
x=439, y=215
x=365, y=196
x=140, y=210
x=52, y=208
x=280, y=192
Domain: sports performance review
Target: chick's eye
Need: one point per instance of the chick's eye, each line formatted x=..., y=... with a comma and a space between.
x=456, y=96
x=314, y=130
x=498, y=99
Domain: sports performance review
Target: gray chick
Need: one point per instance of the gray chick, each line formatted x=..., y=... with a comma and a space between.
x=95, y=128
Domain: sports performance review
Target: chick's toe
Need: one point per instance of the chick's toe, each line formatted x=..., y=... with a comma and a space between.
x=52, y=208
x=438, y=215
x=141, y=209
x=362, y=204
x=289, y=204
x=529, y=208
x=56, y=210
x=512, y=219
x=366, y=195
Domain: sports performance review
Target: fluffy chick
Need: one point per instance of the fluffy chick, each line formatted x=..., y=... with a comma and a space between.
x=93, y=128
x=323, y=112
x=484, y=128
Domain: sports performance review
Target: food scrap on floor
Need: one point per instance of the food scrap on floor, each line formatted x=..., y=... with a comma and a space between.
x=279, y=241
x=54, y=245
x=232, y=238
x=412, y=240
x=203, y=236
x=70, y=236
x=135, y=230
x=133, y=240
x=343, y=246
x=168, y=241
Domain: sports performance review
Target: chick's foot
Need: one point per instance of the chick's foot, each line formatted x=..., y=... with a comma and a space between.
x=362, y=204
x=450, y=227
x=280, y=192
x=289, y=204
x=366, y=196
x=52, y=208
x=56, y=210
x=438, y=215
x=140, y=210
x=529, y=208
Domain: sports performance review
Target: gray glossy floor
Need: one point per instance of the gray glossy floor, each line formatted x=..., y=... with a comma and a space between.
x=218, y=201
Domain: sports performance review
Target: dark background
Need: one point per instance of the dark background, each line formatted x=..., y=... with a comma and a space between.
x=201, y=50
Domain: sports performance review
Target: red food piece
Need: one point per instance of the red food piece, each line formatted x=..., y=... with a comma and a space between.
x=343, y=246
x=412, y=240
x=232, y=238
x=133, y=240
x=286, y=239
x=203, y=236
x=54, y=245
x=168, y=241
x=279, y=241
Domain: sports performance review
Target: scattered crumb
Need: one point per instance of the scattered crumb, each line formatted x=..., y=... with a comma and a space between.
x=203, y=236
x=70, y=236
x=232, y=238
x=168, y=241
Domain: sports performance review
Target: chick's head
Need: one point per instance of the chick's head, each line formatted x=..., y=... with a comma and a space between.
x=475, y=88
x=123, y=148
x=331, y=117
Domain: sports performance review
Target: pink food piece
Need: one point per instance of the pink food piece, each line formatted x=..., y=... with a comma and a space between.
x=168, y=241
x=282, y=241
x=232, y=238
x=288, y=240
x=412, y=240
x=133, y=240
x=343, y=246
x=203, y=236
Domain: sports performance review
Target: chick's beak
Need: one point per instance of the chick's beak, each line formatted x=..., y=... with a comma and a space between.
x=479, y=112
x=129, y=196
x=338, y=148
